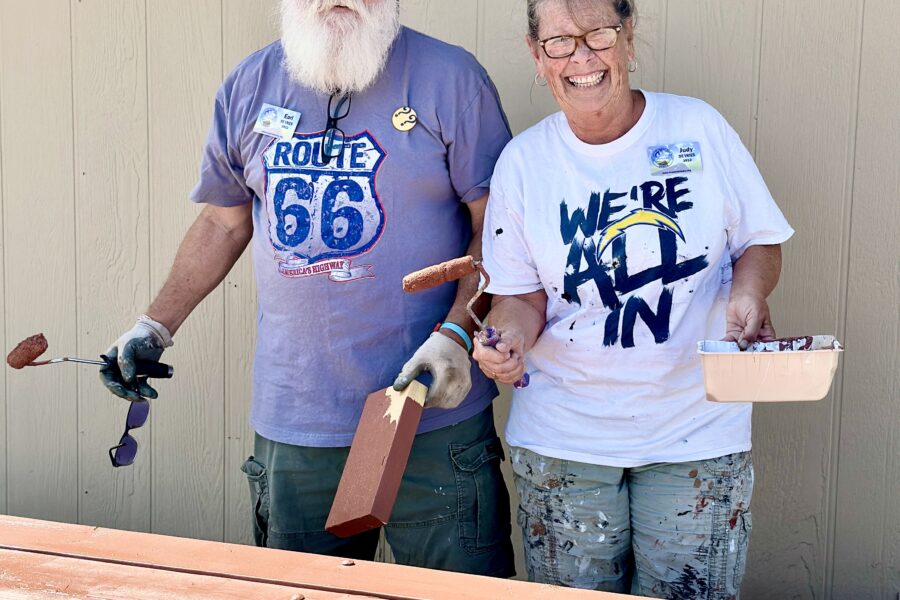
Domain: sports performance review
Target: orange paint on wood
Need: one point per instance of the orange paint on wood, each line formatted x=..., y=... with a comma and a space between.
x=160, y=557
x=371, y=479
x=25, y=575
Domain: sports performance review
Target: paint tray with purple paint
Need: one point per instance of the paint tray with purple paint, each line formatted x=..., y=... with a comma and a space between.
x=786, y=370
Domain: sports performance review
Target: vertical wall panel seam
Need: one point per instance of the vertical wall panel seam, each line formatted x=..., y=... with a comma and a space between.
x=5, y=467
x=479, y=30
x=665, y=55
x=843, y=296
x=149, y=272
x=755, y=99
x=885, y=526
x=882, y=554
x=75, y=254
x=225, y=340
x=882, y=572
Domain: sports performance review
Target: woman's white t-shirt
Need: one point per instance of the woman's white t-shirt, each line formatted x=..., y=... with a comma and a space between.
x=633, y=243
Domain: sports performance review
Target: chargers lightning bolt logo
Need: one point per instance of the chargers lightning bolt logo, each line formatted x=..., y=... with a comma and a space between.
x=639, y=216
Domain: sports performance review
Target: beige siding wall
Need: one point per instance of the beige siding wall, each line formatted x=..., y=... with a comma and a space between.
x=104, y=105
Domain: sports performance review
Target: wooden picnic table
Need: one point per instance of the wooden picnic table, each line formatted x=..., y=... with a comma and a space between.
x=42, y=559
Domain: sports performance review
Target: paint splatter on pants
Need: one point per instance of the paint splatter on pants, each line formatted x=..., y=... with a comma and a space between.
x=664, y=530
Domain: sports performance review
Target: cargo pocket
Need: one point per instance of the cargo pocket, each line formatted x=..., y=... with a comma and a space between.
x=259, y=499
x=483, y=502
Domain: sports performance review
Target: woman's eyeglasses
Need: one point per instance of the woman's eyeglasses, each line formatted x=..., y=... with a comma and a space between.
x=123, y=454
x=333, y=138
x=564, y=46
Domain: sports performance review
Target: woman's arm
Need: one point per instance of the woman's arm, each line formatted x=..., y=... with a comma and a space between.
x=519, y=320
x=756, y=274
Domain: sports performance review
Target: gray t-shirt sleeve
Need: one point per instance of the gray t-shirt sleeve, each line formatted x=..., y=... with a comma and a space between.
x=222, y=180
x=477, y=140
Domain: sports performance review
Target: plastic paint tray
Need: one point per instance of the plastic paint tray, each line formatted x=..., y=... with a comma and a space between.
x=788, y=370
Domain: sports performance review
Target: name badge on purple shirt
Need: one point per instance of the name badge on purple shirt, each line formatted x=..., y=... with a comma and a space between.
x=277, y=122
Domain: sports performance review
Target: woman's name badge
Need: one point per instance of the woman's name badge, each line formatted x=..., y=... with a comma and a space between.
x=682, y=157
x=277, y=122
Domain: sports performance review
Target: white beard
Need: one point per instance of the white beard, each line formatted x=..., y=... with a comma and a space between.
x=330, y=52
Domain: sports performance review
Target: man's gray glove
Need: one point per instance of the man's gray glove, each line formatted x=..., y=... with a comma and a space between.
x=146, y=340
x=449, y=366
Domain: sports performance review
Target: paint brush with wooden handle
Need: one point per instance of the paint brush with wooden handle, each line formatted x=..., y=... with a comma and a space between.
x=451, y=270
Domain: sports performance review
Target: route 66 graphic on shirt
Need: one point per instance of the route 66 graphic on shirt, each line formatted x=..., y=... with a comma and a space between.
x=321, y=215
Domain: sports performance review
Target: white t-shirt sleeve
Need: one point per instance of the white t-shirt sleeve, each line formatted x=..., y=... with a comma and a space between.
x=507, y=256
x=754, y=218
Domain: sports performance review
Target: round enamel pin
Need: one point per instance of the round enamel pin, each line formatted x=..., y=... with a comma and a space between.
x=405, y=119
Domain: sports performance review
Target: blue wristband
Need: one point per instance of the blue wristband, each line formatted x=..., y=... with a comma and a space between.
x=460, y=332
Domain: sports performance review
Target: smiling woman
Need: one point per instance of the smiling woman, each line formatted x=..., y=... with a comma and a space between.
x=619, y=232
x=583, y=49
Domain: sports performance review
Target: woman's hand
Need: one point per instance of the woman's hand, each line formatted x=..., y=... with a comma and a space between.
x=747, y=314
x=504, y=362
x=518, y=320
x=747, y=319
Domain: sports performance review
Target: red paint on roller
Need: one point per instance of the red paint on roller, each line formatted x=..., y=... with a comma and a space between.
x=27, y=350
x=435, y=275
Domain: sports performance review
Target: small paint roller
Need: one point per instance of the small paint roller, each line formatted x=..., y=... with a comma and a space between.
x=435, y=275
x=451, y=270
x=25, y=353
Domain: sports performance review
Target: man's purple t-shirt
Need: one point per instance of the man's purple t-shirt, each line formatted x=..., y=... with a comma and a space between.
x=332, y=242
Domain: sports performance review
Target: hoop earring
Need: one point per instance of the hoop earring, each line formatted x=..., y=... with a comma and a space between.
x=632, y=66
x=538, y=80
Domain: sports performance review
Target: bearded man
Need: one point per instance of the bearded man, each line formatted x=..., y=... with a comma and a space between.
x=351, y=152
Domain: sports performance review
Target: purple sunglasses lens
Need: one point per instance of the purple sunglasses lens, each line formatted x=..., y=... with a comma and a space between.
x=137, y=414
x=126, y=452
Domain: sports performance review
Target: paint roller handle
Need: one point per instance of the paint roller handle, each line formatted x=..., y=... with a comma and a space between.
x=490, y=337
x=143, y=368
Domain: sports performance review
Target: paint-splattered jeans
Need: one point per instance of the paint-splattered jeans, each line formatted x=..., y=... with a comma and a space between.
x=683, y=527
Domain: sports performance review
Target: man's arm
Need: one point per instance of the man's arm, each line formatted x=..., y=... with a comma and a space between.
x=207, y=253
x=756, y=274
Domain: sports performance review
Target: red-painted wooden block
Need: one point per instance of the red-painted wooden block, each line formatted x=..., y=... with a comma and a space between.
x=371, y=479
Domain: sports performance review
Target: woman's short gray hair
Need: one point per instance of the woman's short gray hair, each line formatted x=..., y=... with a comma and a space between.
x=624, y=8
